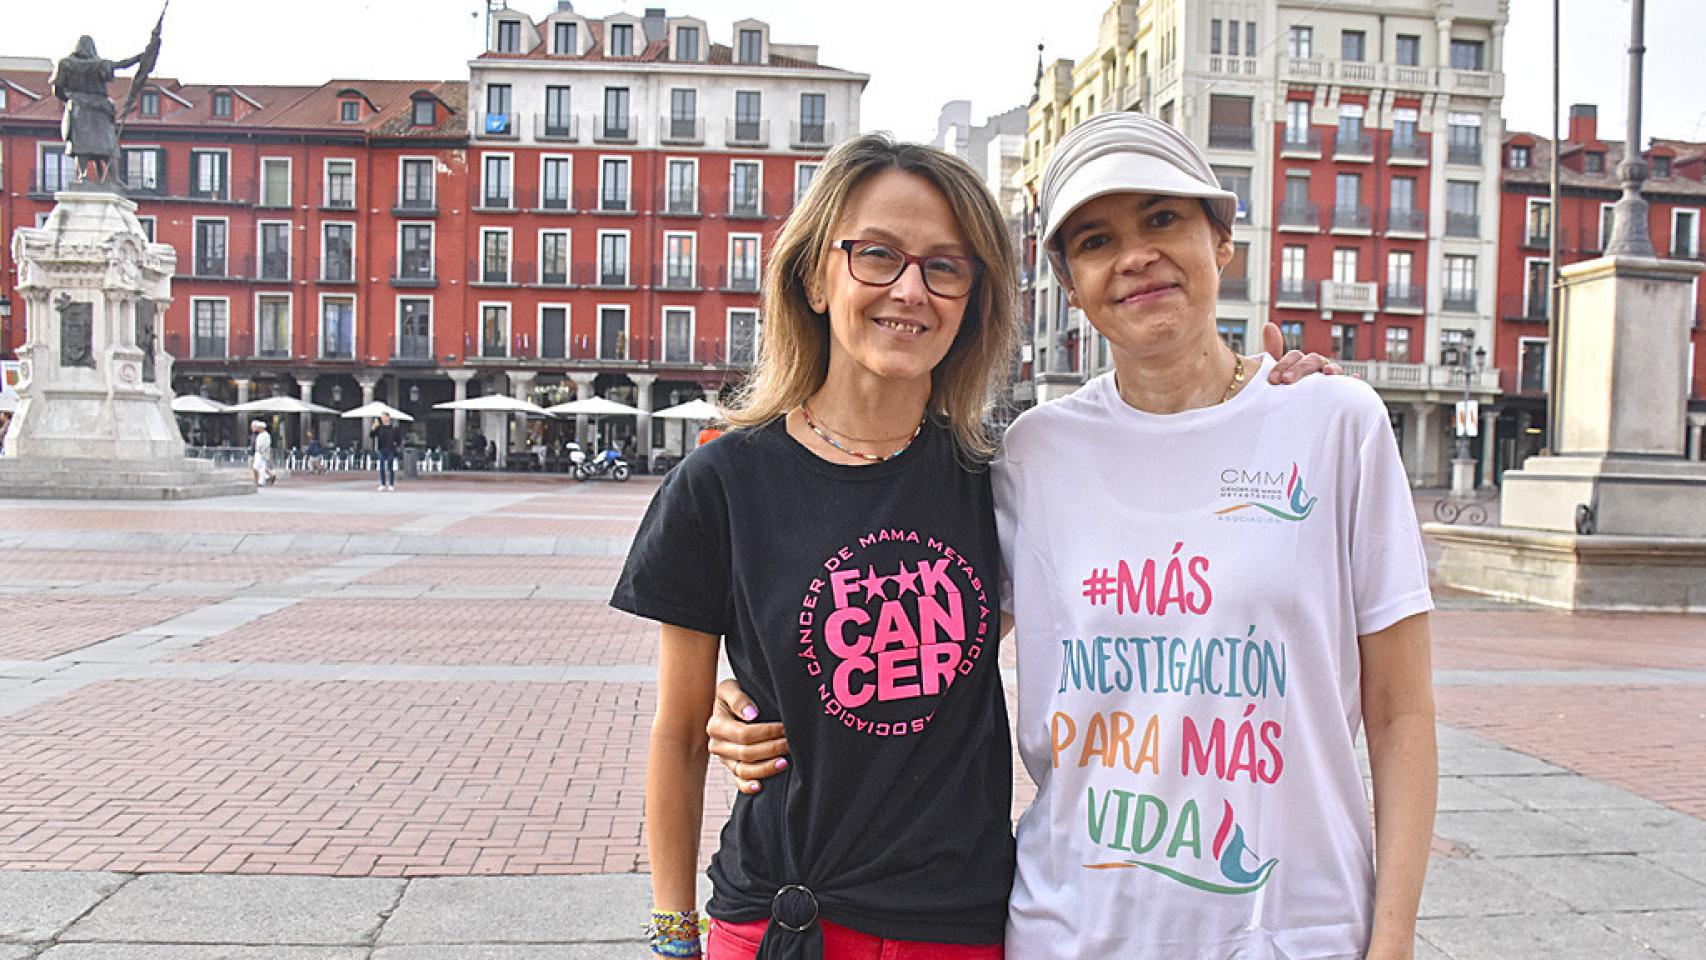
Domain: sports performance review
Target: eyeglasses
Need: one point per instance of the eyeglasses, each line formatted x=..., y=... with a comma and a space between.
x=877, y=264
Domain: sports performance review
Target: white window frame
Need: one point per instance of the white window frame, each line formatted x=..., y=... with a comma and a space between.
x=480, y=327
x=326, y=181
x=628, y=178
x=692, y=162
x=1604, y=235
x=692, y=260
x=1304, y=110
x=1346, y=260
x=567, y=158
x=1522, y=364
x=1527, y=269
x=1474, y=288
x=759, y=211
x=289, y=318
x=509, y=259
x=729, y=331
x=157, y=150
x=226, y=301
x=1409, y=343
x=1304, y=50
x=485, y=184
x=260, y=250
x=320, y=323
x=663, y=332
x=352, y=245
x=598, y=330
x=568, y=257
x=801, y=166
x=1301, y=275
x=1408, y=260
x=397, y=320
x=193, y=173
x=757, y=258
x=57, y=148
x=432, y=164
x=627, y=260
x=1528, y=213
x=195, y=246
x=289, y=181
x=1677, y=213
x=559, y=51
x=153, y=231
x=432, y=242
x=568, y=329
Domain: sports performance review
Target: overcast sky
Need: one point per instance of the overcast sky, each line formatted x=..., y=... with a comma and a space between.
x=919, y=53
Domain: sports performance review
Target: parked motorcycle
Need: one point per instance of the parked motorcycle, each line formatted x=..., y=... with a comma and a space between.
x=606, y=464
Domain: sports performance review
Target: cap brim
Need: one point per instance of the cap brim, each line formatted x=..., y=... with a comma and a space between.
x=1131, y=173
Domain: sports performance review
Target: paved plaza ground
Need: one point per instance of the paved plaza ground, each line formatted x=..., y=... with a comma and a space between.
x=329, y=723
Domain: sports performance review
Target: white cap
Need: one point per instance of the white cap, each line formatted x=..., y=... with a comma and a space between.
x=1123, y=152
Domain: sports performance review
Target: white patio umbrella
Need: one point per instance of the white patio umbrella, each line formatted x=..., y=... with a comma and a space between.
x=279, y=405
x=374, y=409
x=691, y=410
x=194, y=403
x=594, y=407
x=494, y=403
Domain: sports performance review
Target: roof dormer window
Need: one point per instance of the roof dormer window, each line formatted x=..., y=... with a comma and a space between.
x=1594, y=162
x=149, y=104
x=565, y=38
x=222, y=105
x=349, y=111
x=751, y=47
x=1520, y=158
x=621, y=40
x=687, y=43
x=1661, y=167
x=509, y=36
x=423, y=114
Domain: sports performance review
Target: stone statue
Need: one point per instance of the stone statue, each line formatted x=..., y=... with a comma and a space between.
x=90, y=123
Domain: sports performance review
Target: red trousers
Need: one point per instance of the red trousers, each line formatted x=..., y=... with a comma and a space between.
x=739, y=941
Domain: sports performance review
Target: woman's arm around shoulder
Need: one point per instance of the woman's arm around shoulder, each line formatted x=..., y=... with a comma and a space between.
x=675, y=769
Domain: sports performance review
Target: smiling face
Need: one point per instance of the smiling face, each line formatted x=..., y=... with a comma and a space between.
x=897, y=333
x=1145, y=268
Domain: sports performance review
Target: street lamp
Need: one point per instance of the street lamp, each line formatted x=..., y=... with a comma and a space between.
x=1471, y=363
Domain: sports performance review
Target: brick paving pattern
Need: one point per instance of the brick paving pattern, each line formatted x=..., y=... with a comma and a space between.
x=541, y=526
x=108, y=567
x=40, y=626
x=1518, y=639
x=20, y=519
x=501, y=571
x=374, y=779
x=510, y=632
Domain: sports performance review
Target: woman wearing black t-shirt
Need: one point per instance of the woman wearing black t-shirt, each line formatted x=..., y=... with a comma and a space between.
x=841, y=541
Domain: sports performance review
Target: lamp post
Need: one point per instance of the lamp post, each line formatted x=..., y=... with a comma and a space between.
x=1470, y=363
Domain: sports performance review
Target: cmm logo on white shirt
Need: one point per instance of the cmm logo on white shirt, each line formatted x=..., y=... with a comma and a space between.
x=1256, y=495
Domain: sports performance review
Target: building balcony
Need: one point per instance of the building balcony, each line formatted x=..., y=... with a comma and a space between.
x=1233, y=66
x=1460, y=301
x=611, y=201
x=1300, y=143
x=677, y=276
x=1349, y=219
x=415, y=207
x=1298, y=293
x=1463, y=154
x=1536, y=239
x=1685, y=250
x=1358, y=297
x=745, y=208
x=1404, y=299
x=497, y=126
x=743, y=280
x=1462, y=224
x=498, y=272
x=681, y=131
x=336, y=270
x=1521, y=308
x=615, y=128
x=556, y=127
x=1483, y=82
x=1408, y=221
x=1411, y=151
x=1386, y=375
x=1300, y=216
x=810, y=136
x=274, y=268
x=1235, y=288
x=747, y=133
x=552, y=201
x=1353, y=145
x=414, y=273
x=1226, y=137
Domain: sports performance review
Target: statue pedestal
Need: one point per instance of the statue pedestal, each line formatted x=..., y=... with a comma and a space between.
x=94, y=417
x=1616, y=518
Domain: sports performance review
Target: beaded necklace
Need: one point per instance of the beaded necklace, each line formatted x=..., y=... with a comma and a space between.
x=806, y=412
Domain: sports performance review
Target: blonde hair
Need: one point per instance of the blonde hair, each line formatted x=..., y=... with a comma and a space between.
x=794, y=358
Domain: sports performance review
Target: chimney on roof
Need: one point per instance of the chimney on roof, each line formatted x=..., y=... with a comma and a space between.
x=565, y=6
x=1584, y=122
x=656, y=24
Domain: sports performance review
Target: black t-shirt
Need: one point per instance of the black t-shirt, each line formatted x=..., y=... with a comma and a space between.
x=385, y=436
x=859, y=607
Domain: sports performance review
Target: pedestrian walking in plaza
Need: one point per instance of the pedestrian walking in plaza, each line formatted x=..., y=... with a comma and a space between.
x=1207, y=609
x=385, y=440
x=260, y=453
x=841, y=540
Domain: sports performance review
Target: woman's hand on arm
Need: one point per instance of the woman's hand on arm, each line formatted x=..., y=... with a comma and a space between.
x=675, y=770
x=1293, y=365
x=1398, y=719
x=750, y=750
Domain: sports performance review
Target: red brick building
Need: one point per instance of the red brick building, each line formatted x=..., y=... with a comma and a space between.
x=586, y=215
x=1676, y=194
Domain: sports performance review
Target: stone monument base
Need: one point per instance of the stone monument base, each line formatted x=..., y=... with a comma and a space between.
x=1654, y=497
x=82, y=478
x=1571, y=572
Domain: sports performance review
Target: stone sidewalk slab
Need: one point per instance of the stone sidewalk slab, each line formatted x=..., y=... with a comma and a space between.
x=299, y=911
x=1562, y=937
x=36, y=906
x=1618, y=882
x=464, y=910
x=181, y=951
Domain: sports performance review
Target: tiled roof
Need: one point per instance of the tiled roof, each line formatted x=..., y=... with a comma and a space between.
x=716, y=55
x=33, y=81
x=1539, y=172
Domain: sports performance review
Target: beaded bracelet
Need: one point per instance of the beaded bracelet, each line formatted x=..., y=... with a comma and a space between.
x=675, y=933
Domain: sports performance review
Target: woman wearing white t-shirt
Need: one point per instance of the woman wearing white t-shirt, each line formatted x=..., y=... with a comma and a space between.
x=1215, y=584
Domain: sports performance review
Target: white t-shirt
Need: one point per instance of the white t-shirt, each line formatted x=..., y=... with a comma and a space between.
x=263, y=446
x=1188, y=591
